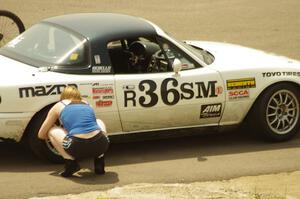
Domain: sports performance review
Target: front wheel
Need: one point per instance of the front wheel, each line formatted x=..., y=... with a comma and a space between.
x=41, y=148
x=276, y=114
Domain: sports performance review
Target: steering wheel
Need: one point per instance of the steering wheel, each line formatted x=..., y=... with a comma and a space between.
x=159, y=63
x=136, y=57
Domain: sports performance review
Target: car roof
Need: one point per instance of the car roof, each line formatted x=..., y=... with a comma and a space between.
x=104, y=26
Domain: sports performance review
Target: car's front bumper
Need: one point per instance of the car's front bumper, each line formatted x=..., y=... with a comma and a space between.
x=12, y=125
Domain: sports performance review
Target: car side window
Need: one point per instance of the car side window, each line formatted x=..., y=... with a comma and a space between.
x=134, y=55
x=145, y=55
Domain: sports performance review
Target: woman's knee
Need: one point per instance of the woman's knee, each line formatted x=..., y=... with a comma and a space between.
x=57, y=132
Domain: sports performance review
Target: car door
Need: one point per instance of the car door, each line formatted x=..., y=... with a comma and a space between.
x=99, y=92
x=161, y=100
x=155, y=97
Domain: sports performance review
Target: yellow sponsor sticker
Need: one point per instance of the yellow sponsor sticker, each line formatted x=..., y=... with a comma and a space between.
x=240, y=83
x=74, y=56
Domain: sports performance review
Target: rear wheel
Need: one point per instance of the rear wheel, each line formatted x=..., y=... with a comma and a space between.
x=276, y=114
x=41, y=148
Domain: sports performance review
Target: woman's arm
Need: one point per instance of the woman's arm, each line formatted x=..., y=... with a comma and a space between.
x=102, y=125
x=50, y=120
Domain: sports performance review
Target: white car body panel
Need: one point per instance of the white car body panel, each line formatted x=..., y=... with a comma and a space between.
x=236, y=62
x=14, y=124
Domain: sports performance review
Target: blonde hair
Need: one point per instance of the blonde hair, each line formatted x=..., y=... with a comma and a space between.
x=71, y=93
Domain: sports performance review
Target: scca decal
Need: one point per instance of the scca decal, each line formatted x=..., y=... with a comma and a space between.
x=238, y=94
x=169, y=87
x=43, y=90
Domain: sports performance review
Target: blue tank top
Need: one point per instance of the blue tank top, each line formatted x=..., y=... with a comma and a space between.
x=79, y=119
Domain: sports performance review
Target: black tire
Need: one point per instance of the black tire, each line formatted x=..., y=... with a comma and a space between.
x=276, y=113
x=10, y=26
x=42, y=149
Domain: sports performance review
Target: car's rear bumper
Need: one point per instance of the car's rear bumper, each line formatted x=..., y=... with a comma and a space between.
x=12, y=125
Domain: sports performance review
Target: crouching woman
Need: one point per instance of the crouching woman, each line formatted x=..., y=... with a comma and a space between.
x=82, y=135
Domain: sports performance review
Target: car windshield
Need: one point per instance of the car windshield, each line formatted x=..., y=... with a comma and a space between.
x=50, y=44
x=204, y=55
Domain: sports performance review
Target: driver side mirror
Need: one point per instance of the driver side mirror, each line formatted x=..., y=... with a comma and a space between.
x=177, y=66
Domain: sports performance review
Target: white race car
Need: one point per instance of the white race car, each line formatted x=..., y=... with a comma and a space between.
x=138, y=79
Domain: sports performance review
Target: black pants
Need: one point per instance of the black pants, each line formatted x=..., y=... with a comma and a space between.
x=81, y=148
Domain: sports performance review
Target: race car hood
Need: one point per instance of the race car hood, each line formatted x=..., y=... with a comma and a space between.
x=15, y=73
x=232, y=57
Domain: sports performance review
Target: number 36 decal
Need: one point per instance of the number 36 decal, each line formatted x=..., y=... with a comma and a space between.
x=170, y=92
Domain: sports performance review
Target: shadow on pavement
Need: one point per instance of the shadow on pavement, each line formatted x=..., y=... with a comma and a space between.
x=15, y=158
x=88, y=177
x=198, y=146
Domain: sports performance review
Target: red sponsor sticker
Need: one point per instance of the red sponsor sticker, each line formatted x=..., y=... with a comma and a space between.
x=219, y=90
x=103, y=91
x=96, y=97
x=238, y=94
x=102, y=103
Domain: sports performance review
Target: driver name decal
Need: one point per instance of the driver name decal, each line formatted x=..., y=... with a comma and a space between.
x=170, y=92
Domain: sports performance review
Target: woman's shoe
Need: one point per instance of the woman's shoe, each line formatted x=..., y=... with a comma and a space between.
x=71, y=167
x=99, y=165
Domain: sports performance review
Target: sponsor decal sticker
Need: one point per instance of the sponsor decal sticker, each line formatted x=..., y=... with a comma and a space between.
x=128, y=87
x=46, y=90
x=74, y=56
x=97, y=59
x=101, y=69
x=96, y=84
x=85, y=84
x=96, y=97
x=102, y=90
x=219, y=90
x=103, y=95
x=279, y=74
x=233, y=84
x=210, y=110
x=103, y=103
x=238, y=94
